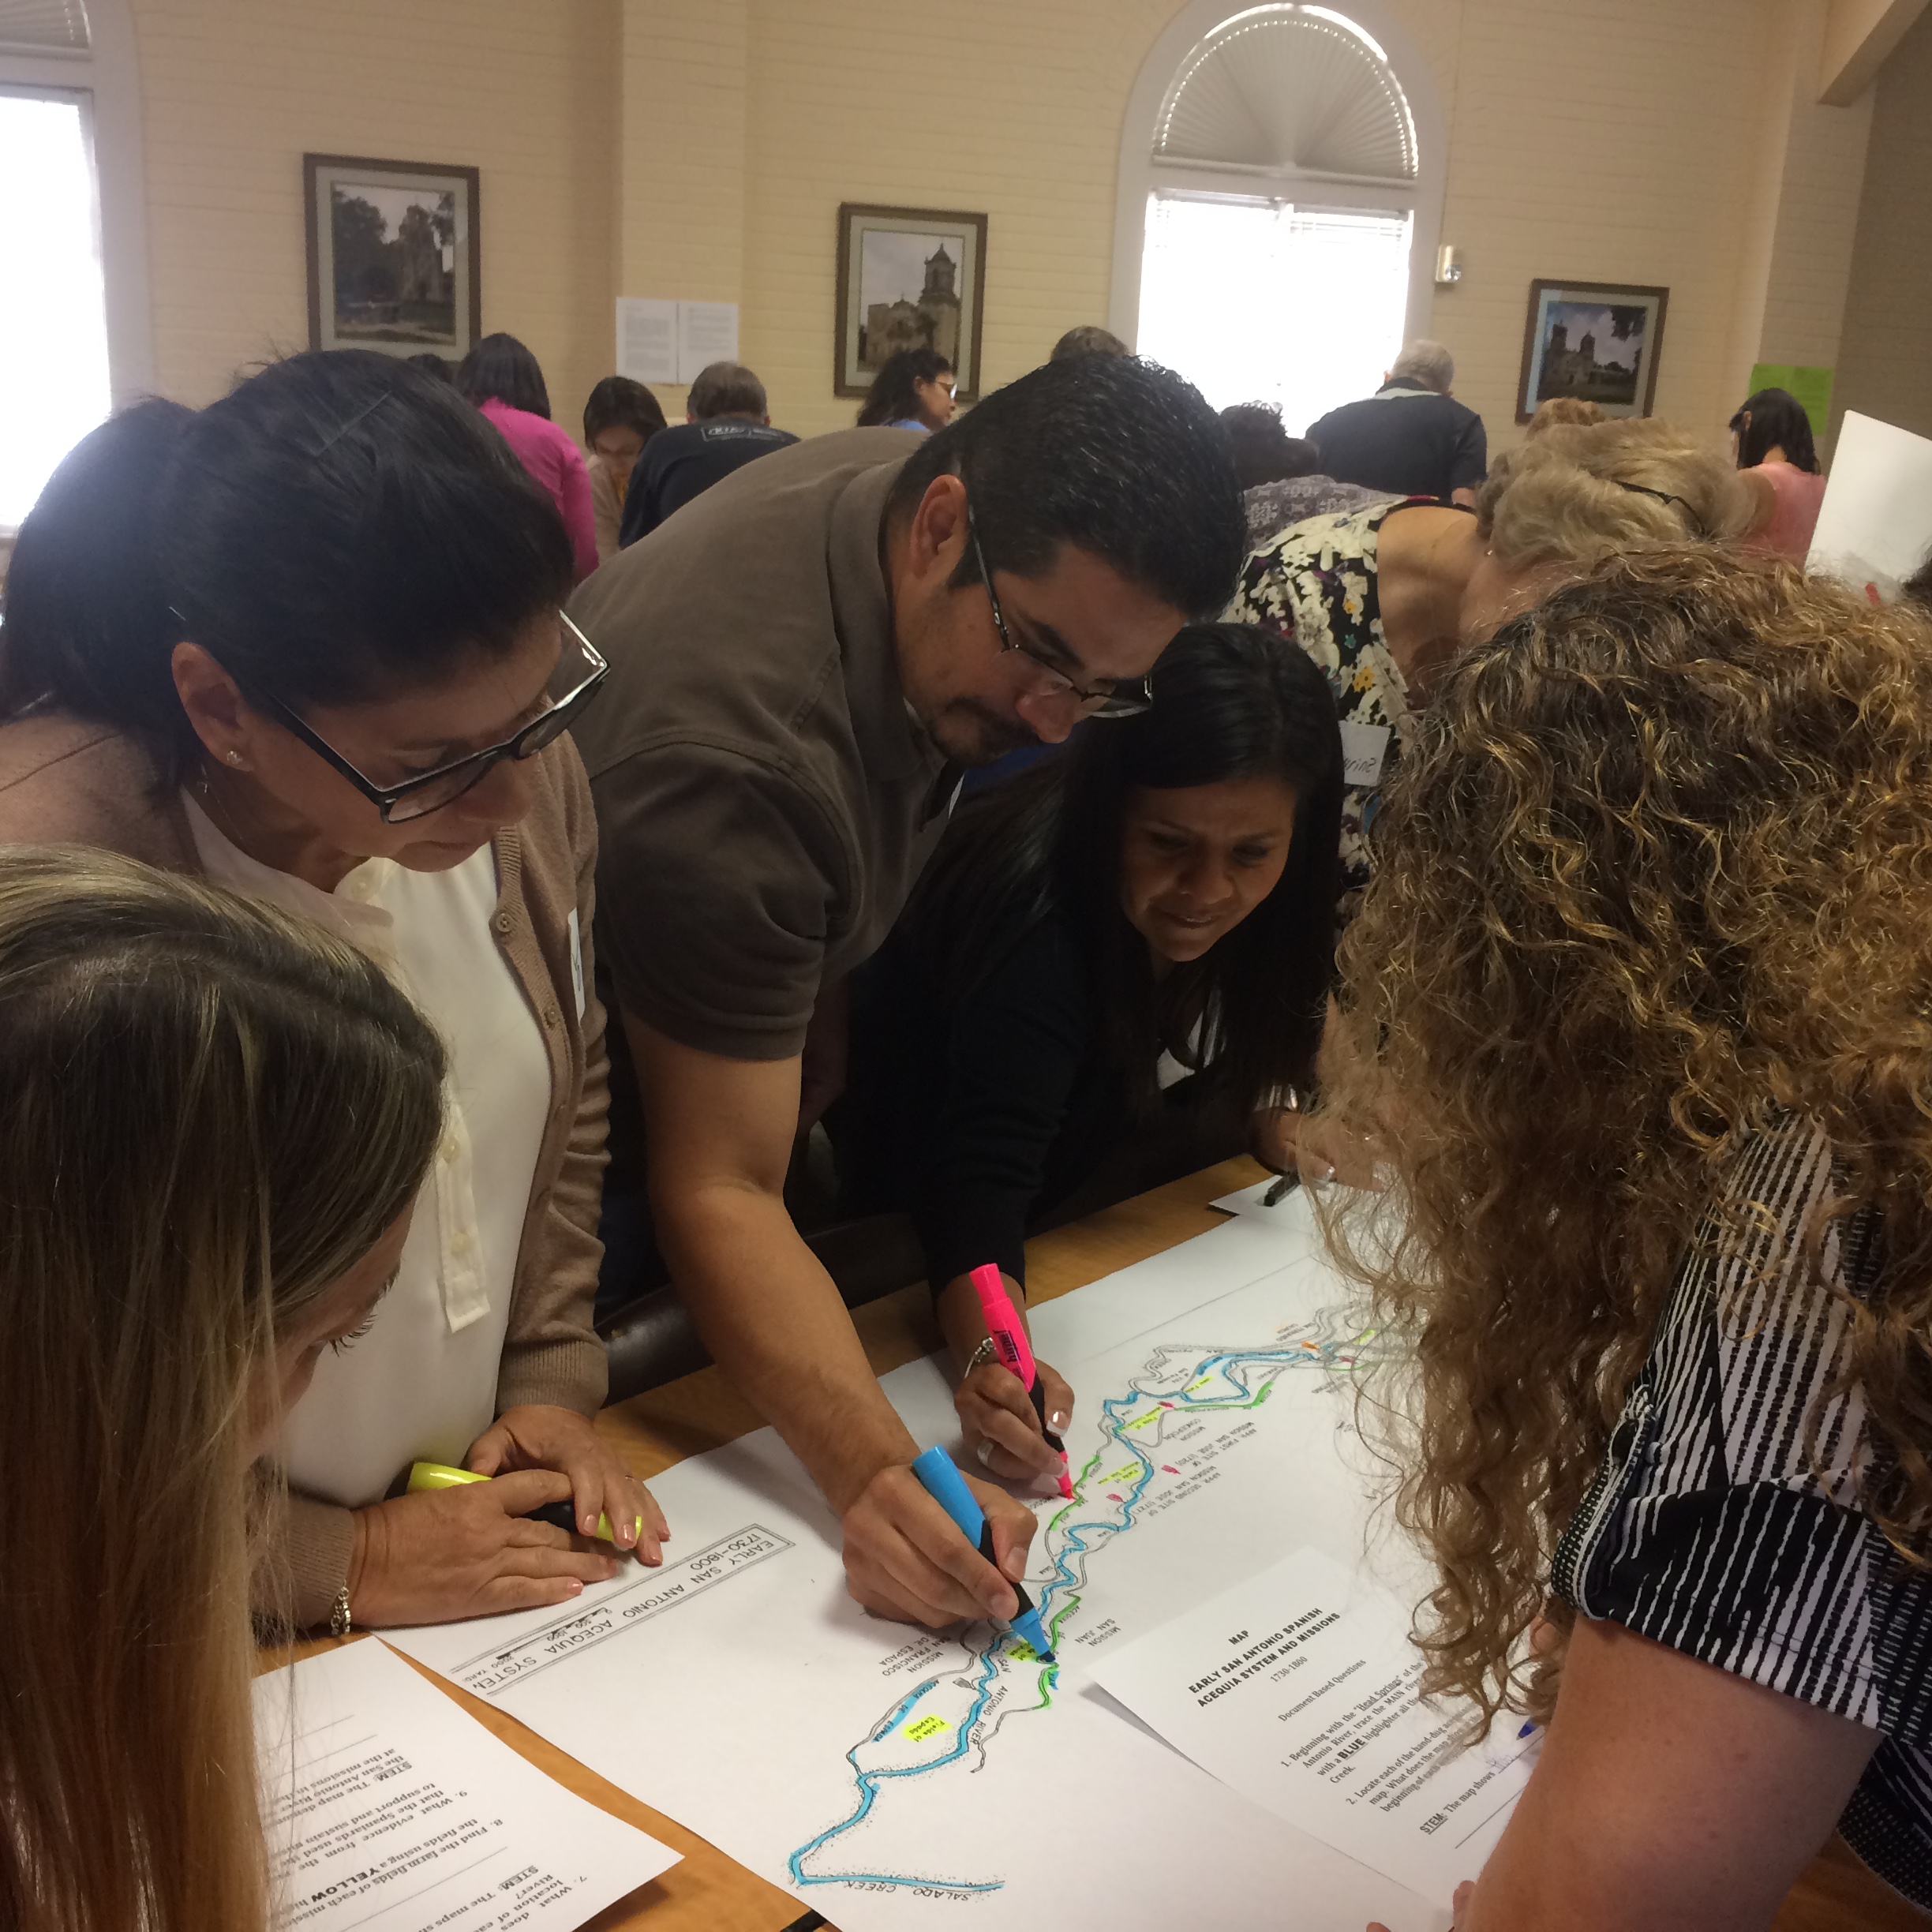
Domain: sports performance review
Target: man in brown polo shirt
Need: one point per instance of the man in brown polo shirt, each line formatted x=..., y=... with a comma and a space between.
x=802, y=661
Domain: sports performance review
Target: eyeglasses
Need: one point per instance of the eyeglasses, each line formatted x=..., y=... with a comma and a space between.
x=1115, y=700
x=416, y=798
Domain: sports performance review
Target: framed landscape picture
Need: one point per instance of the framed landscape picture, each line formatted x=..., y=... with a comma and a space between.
x=1595, y=341
x=909, y=279
x=392, y=255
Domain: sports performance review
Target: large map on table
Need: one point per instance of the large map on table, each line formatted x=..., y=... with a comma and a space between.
x=889, y=1776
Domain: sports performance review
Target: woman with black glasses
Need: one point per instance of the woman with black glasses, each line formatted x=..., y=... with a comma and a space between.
x=308, y=643
x=1114, y=971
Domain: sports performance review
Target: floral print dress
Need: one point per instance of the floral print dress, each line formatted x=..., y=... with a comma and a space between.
x=1315, y=583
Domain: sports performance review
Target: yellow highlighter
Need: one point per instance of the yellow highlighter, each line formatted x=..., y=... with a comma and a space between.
x=562, y=1515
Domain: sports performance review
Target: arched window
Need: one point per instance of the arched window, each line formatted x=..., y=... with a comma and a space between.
x=75, y=336
x=1280, y=197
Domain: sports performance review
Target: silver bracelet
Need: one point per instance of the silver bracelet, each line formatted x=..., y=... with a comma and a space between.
x=339, y=1621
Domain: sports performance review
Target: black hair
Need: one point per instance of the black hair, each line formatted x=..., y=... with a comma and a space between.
x=1230, y=702
x=618, y=403
x=339, y=526
x=431, y=363
x=1777, y=417
x=1114, y=455
x=1264, y=452
x=499, y=368
x=892, y=397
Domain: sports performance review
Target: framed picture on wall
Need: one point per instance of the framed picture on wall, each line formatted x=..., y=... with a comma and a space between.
x=1597, y=342
x=392, y=255
x=909, y=279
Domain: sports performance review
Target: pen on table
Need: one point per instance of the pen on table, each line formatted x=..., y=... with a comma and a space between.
x=941, y=1481
x=1016, y=1352
x=559, y=1515
x=1278, y=1192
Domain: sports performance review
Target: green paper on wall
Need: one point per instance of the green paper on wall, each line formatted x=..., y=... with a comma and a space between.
x=1812, y=388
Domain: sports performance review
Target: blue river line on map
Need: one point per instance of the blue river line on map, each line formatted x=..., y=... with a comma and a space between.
x=1219, y=1379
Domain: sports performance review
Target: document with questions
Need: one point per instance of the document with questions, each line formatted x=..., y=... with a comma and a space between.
x=389, y=1809
x=1305, y=1700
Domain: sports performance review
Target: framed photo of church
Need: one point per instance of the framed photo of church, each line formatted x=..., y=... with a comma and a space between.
x=909, y=279
x=393, y=256
x=1591, y=342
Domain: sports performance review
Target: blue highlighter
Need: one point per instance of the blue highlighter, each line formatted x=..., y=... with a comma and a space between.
x=941, y=1481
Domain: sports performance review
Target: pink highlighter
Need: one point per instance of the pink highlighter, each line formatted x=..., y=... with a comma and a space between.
x=1015, y=1354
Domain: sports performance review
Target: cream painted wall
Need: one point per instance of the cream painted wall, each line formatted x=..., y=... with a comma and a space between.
x=700, y=147
x=1624, y=140
x=234, y=92
x=1885, y=368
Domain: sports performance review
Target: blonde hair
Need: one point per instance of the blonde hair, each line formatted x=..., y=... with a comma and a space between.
x=207, y=1116
x=1575, y=409
x=1578, y=494
x=1657, y=867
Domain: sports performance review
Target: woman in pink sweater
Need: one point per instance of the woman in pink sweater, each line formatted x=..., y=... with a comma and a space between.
x=502, y=378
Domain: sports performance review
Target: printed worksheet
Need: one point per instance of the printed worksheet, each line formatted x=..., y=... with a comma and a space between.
x=388, y=1809
x=893, y=1777
x=1306, y=1702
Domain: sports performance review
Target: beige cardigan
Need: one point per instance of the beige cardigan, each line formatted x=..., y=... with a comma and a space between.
x=64, y=781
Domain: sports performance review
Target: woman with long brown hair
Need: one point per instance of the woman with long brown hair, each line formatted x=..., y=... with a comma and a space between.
x=212, y=1122
x=1636, y=1008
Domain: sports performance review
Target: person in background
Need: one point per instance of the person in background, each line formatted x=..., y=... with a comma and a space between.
x=1087, y=339
x=306, y=643
x=1106, y=978
x=802, y=663
x=913, y=390
x=1411, y=438
x=431, y=363
x=1771, y=437
x=180, y=1245
x=1635, y=1013
x=502, y=378
x=620, y=417
x=1384, y=599
x=1278, y=476
x=726, y=425
x=1576, y=411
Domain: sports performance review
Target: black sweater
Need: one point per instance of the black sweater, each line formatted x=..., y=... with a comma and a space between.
x=977, y=1115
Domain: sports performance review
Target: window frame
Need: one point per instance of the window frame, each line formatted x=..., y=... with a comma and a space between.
x=106, y=78
x=1141, y=176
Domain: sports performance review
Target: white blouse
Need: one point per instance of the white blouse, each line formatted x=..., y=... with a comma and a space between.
x=421, y=1384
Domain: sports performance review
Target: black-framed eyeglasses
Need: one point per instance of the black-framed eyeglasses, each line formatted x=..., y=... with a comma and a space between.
x=571, y=685
x=1115, y=700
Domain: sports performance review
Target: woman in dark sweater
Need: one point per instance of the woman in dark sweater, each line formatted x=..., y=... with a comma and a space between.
x=1113, y=972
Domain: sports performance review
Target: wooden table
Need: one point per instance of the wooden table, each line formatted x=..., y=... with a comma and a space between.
x=709, y=1892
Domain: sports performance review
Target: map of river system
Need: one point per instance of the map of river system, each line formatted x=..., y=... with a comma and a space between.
x=891, y=1776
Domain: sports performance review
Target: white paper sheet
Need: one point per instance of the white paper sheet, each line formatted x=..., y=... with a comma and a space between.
x=707, y=333
x=388, y=1809
x=891, y=1778
x=1302, y=1698
x=1875, y=524
x=647, y=340
x=1290, y=1211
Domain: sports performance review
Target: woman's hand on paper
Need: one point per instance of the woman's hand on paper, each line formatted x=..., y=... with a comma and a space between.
x=1005, y=1433
x=905, y=1557
x=444, y=1554
x=1292, y=1142
x=541, y=1435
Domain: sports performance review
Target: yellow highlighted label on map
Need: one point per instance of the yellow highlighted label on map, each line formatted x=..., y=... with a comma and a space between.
x=1153, y=1415
x=1124, y=1473
x=1022, y=1650
x=921, y=1729
x=1201, y=1382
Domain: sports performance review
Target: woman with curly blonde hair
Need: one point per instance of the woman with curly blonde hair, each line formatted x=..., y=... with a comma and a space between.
x=1637, y=1009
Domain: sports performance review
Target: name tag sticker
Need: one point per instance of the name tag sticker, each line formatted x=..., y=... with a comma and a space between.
x=1364, y=747
x=576, y=953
